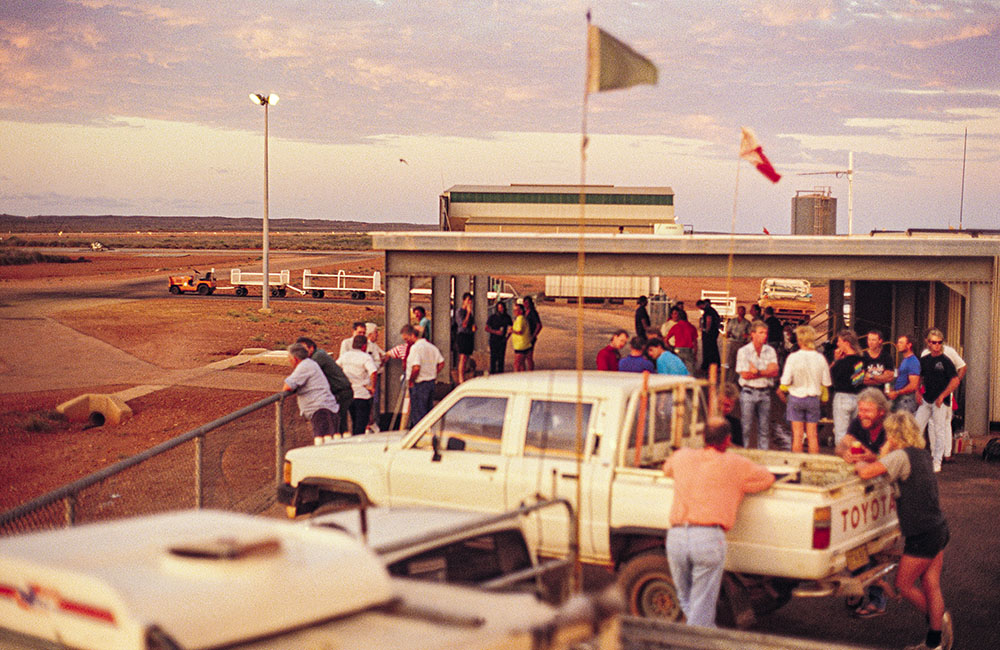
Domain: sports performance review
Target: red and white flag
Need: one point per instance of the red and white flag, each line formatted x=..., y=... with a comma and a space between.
x=751, y=151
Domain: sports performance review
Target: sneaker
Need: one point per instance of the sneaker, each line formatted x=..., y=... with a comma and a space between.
x=922, y=646
x=947, y=631
x=318, y=440
x=937, y=467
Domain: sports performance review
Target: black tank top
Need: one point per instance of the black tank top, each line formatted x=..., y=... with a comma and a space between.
x=917, y=505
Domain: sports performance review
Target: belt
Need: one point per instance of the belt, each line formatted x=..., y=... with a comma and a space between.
x=754, y=388
x=690, y=525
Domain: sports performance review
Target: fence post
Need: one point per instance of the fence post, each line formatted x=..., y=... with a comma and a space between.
x=199, y=487
x=279, y=439
x=70, y=509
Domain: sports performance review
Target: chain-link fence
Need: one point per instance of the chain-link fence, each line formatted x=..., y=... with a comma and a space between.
x=232, y=463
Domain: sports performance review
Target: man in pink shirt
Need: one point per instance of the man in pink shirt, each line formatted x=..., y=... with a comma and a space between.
x=709, y=485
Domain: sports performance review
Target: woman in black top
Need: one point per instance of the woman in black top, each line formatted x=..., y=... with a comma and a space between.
x=848, y=375
x=921, y=521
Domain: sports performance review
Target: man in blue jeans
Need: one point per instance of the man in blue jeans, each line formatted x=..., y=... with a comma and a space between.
x=757, y=366
x=709, y=486
x=423, y=363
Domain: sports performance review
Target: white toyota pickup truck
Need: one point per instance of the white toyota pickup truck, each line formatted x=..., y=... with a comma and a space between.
x=495, y=443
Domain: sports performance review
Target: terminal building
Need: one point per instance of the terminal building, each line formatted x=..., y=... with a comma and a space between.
x=558, y=208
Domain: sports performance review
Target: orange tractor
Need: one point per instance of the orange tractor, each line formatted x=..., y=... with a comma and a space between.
x=204, y=285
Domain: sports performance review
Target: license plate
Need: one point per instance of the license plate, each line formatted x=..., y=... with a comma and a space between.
x=857, y=557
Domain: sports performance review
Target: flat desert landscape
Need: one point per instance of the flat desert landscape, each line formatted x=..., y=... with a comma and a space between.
x=109, y=324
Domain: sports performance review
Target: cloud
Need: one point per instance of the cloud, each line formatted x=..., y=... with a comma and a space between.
x=965, y=32
x=785, y=13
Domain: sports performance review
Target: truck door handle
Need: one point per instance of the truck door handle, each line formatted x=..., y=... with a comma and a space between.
x=488, y=468
x=572, y=476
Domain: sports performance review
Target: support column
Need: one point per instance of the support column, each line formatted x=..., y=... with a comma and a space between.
x=441, y=322
x=978, y=355
x=835, y=298
x=481, y=306
x=397, y=314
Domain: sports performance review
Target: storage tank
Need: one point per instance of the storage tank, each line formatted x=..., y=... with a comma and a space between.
x=814, y=212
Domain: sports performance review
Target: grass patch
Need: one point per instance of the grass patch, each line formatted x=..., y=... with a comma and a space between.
x=44, y=422
x=21, y=257
x=313, y=320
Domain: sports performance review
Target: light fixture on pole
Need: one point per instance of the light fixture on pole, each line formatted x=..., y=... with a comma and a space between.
x=265, y=100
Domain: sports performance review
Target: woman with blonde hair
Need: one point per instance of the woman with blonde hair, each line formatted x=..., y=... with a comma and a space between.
x=804, y=383
x=925, y=530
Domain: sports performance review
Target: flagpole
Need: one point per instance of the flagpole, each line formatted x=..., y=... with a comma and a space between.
x=729, y=270
x=961, y=205
x=577, y=577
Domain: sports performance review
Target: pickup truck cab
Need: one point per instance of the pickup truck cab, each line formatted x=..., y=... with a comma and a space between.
x=599, y=440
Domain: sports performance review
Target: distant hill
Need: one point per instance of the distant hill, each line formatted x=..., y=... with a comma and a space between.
x=113, y=223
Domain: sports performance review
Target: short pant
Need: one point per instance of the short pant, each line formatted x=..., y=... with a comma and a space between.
x=802, y=409
x=927, y=545
x=466, y=343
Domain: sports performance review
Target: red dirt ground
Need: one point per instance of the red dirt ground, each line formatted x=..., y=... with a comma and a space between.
x=42, y=452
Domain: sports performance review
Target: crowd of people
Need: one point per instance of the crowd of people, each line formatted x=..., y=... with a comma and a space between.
x=880, y=410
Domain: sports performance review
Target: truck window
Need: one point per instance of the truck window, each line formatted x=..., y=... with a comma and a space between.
x=472, y=424
x=468, y=561
x=552, y=428
x=656, y=433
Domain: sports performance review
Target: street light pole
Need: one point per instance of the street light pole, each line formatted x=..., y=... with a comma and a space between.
x=265, y=101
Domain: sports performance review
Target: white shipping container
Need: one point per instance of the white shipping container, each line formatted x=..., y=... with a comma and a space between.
x=601, y=286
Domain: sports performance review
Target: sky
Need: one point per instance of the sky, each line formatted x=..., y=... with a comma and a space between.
x=142, y=108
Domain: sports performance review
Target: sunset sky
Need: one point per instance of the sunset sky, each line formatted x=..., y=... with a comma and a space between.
x=134, y=107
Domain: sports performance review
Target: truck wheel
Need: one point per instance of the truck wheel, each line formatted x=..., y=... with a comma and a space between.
x=316, y=293
x=203, y=289
x=771, y=595
x=281, y=292
x=361, y=295
x=240, y=292
x=649, y=590
x=174, y=289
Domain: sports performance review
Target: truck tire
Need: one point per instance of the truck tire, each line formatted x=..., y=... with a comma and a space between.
x=241, y=291
x=281, y=292
x=204, y=289
x=317, y=293
x=174, y=289
x=648, y=588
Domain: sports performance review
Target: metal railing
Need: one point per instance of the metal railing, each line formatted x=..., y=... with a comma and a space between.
x=231, y=463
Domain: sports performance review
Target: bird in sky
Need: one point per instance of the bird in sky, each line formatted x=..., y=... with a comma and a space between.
x=403, y=160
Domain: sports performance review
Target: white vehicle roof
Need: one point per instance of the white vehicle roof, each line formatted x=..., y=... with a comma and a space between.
x=205, y=578
x=392, y=527
x=563, y=383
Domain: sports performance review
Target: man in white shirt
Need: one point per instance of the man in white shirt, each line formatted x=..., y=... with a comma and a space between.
x=757, y=366
x=361, y=370
x=378, y=356
x=423, y=363
x=359, y=329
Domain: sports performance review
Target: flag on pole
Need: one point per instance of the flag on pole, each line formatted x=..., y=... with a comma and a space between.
x=611, y=64
x=751, y=151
